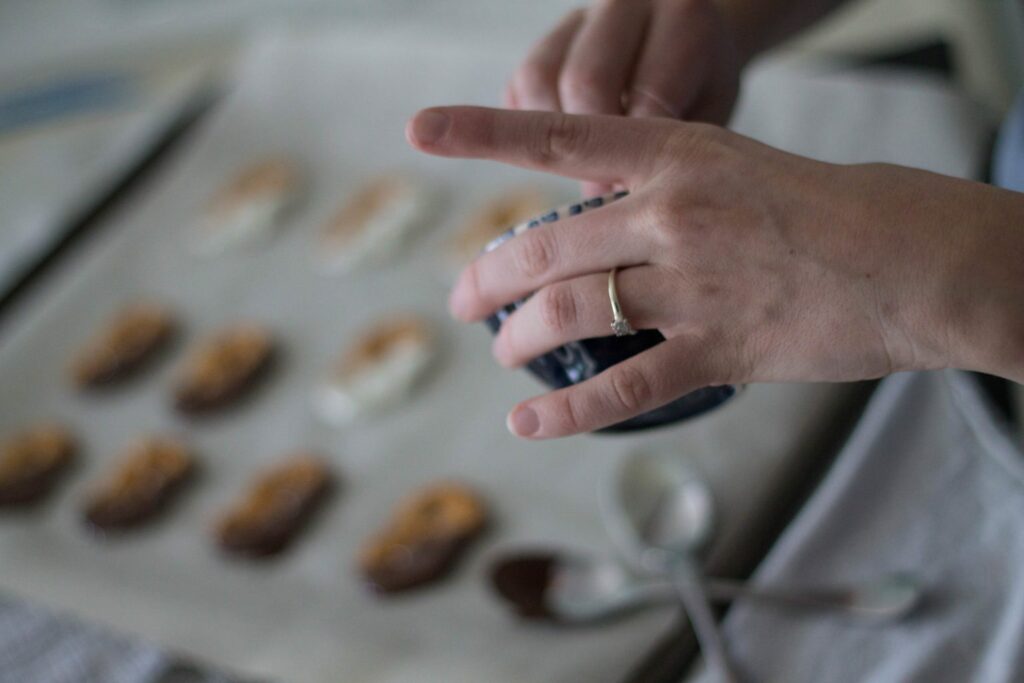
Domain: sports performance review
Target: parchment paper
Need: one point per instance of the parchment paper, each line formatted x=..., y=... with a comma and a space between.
x=338, y=102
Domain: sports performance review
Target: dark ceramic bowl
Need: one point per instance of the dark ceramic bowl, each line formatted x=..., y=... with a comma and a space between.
x=581, y=360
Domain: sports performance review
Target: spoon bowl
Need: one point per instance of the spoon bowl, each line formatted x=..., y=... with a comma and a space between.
x=580, y=589
x=657, y=509
x=664, y=518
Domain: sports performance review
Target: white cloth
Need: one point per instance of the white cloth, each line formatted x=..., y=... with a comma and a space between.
x=930, y=482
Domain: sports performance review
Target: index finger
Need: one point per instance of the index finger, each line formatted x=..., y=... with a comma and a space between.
x=602, y=149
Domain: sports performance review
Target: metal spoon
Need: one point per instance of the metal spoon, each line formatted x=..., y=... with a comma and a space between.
x=662, y=518
x=572, y=588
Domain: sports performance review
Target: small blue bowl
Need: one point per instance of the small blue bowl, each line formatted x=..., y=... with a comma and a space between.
x=581, y=360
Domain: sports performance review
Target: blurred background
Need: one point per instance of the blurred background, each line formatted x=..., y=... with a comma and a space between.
x=105, y=75
x=157, y=37
x=119, y=119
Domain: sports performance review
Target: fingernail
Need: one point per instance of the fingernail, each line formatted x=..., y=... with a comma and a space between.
x=523, y=421
x=430, y=126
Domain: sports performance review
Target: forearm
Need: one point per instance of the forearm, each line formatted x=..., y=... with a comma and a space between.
x=941, y=261
x=984, y=291
x=761, y=24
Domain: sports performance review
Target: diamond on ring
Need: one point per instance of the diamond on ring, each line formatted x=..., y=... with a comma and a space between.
x=620, y=325
x=622, y=328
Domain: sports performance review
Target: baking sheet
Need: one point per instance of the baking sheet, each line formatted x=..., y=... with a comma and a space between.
x=52, y=172
x=338, y=102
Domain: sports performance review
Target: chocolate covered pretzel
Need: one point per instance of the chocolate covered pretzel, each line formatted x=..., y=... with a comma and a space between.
x=375, y=222
x=32, y=461
x=425, y=538
x=250, y=206
x=123, y=345
x=378, y=370
x=141, y=485
x=275, y=508
x=222, y=368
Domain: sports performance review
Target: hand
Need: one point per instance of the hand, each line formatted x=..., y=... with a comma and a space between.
x=668, y=58
x=756, y=265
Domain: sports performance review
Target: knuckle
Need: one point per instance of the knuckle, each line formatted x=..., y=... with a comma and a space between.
x=699, y=142
x=664, y=217
x=572, y=413
x=536, y=75
x=581, y=85
x=632, y=389
x=561, y=137
x=558, y=308
x=535, y=254
x=668, y=209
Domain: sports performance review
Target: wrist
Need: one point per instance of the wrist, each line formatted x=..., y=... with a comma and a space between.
x=947, y=282
x=982, y=295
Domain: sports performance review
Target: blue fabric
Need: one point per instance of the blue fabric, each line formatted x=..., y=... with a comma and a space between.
x=1008, y=164
x=37, y=646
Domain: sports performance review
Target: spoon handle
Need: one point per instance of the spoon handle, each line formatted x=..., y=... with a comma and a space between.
x=727, y=589
x=890, y=598
x=885, y=599
x=689, y=589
